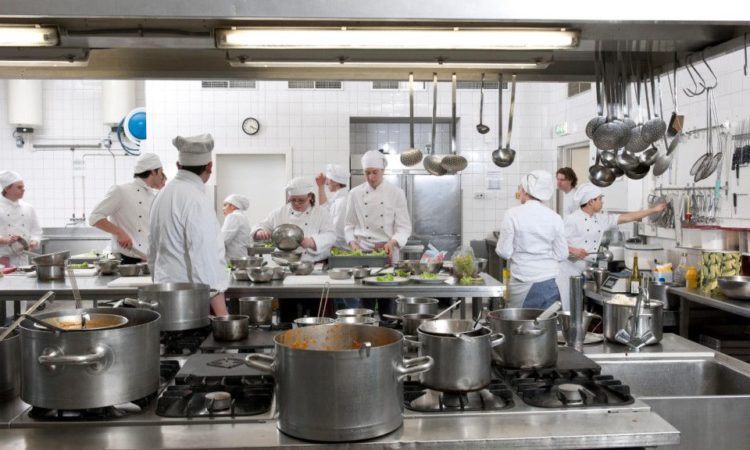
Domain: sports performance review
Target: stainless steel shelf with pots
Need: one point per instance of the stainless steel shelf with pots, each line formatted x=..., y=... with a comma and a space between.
x=670, y=317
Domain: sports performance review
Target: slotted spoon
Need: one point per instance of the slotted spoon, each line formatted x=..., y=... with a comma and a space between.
x=413, y=155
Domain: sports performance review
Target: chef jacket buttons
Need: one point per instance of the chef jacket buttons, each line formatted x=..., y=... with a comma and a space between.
x=366, y=216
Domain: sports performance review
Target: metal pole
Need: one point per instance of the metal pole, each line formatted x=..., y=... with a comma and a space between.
x=576, y=333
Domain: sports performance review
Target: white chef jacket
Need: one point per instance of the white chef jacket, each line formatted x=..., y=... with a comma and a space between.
x=185, y=237
x=18, y=219
x=128, y=206
x=236, y=234
x=569, y=203
x=532, y=238
x=336, y=205
x=315, y=222
x=375, y=216
x=583, y=231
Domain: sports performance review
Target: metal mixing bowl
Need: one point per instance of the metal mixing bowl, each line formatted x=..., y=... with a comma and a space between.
x=301, y=267
x=129, y=270
x=340, y=273
x=287, y=236
x=737, y=287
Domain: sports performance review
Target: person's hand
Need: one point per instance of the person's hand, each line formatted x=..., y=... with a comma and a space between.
x=659, y=208
x=354, y=245
x=578, y=252
x=308, y=242
x=33, y=245
x=389, y=246
x=124, y=240
x=320, y=180
x=6, y=240
x=262, y=235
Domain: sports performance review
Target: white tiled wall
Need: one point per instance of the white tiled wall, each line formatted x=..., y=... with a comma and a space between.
x=315, y=127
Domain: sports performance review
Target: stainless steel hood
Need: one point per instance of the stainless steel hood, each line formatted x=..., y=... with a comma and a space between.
x=175, y=38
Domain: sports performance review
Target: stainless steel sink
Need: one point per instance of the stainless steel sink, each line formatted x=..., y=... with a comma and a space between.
x=678, y=378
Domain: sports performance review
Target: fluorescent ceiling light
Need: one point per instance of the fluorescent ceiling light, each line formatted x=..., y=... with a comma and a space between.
x=396, y=38
x=390, y=65
x=42, y=63
x=28, y=36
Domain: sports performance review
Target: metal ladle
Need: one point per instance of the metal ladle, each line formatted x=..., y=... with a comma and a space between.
x=413, y=155
x=453, y=163
x=600, y=175
x=431, y=162
x=482, y=128
x=503, y=157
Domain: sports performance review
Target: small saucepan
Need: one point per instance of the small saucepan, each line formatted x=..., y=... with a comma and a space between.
x=230, y=328
x=411, y=322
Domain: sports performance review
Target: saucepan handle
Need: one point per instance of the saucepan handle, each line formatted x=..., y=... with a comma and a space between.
x=496, y=339
x=261, y=362
x=140, y=303
x=414, y=366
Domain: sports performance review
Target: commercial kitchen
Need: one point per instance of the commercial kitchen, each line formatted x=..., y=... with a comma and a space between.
x=249, y=224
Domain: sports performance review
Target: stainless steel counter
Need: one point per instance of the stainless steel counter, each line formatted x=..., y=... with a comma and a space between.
x=693, y=296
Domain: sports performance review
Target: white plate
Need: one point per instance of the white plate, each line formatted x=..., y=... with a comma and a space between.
x=441, y=279
x=396, y=281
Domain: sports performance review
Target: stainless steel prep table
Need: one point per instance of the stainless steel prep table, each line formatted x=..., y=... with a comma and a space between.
x=689, y=296
x=20, y=287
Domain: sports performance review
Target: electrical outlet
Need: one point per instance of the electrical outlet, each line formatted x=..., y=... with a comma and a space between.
x=480, y=196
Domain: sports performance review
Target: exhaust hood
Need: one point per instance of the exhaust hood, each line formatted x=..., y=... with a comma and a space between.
x=188, y=39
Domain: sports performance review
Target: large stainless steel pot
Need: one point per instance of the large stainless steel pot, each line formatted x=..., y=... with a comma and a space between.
x=619, y=315
x=258, y=309
x=183, y=306
x=461, y=363
x=416, y=305
x=50, y=273
x=339, y=382
x=90, y=368
x=10, y=361
x=526, y=344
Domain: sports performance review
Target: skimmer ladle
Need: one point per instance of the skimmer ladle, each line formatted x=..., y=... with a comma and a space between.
x=453, y=163
x=413, y=155
x=431, y=162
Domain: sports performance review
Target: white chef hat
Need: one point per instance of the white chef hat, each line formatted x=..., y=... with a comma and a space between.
x=194, y=150
x=300, y=186
x=337, y=173
x=147, y=161
x=539, y=184
x=373, y=159
x=586, y=192
x=9, y=177
x=240, y=201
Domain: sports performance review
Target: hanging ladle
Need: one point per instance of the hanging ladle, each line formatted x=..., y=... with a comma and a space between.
x=454, y=162
x=413, y=155
x=431, y=162
x=503, y=157
x=482, y=128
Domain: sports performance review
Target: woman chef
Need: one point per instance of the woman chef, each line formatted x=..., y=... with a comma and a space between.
x=301, y=210
x=335, y=179
x=583, y=232
x=236, y=229
x=531, y=237
x=17, y=219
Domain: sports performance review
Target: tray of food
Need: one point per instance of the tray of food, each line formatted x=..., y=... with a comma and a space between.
x=354, y=258
x=430, y=278
x=386, y=280
x=260, y=248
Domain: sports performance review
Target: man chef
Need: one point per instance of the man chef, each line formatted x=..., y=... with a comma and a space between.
x=584, y=230
x=335, y=179
x=125, y=210
x=377, y=216
x=185, y=242
x=532, y=238
x=17, y=220
x=235, y=232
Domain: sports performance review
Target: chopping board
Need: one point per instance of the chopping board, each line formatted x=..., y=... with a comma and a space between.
x=314, y=280
x=197, y=366
x=131, y=281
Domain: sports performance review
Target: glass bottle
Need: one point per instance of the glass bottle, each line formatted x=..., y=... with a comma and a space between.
x=635, y=278
x=681, y=271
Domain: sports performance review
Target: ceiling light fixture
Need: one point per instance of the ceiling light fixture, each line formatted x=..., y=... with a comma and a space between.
x=389, y=65
x=396, y=38
x=28, y=36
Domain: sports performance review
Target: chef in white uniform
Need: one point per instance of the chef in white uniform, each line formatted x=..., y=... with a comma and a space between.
x=185, y=236
x=584, y=230
x=301, y=210
x=335, y=179
x=17, y=220
x=125, y=210
x=236, y=229
x=531, y=238
x=376, y=212
x=566, y=182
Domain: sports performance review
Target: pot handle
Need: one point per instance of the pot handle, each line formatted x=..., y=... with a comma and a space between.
x=261, y=362
x=392, y=317
x=409, y=343
x=527, y=331
x=414, y=366
x=496, y=339
x=140, y=303
x=55, y=357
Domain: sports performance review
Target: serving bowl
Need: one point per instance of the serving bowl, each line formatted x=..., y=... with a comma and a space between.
x=737, y=287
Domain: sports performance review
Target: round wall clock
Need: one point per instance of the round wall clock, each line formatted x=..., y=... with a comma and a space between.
x=250, y=126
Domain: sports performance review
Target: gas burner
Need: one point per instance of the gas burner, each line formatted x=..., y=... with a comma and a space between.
x=226, y=362
x=92, y=414
x=167, y=370
x=200, y=396
x=571, y=394
x=497, y=396
x=184, y=342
